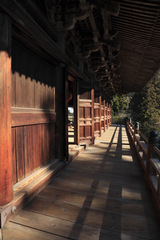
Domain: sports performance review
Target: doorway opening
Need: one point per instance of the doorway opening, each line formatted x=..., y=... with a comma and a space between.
x=70, y=125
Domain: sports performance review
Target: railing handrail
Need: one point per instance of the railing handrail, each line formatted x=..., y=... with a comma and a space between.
x=157, y=150
x=142, y=135
x=151, y=165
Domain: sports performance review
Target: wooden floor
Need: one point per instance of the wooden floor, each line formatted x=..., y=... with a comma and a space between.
x=100, y=195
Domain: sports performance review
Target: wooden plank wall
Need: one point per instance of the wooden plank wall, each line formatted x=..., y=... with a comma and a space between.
x=33, y=111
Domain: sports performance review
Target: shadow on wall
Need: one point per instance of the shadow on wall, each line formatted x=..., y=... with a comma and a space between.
x=33, y=91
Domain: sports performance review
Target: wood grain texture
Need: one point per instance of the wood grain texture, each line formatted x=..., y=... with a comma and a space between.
x=32, y=147
x=16, y=232
x=5, y=111
x=24, y=119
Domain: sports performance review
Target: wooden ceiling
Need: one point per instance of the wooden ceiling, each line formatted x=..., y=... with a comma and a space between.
x=138, y=26
x=119, y=41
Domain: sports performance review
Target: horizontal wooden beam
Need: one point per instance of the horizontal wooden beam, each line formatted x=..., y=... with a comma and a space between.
x=24, y=118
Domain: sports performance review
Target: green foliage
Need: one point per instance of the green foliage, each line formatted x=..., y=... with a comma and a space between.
x=120, y=103
x=145, y=107
x=119, y=119
x=120, y=106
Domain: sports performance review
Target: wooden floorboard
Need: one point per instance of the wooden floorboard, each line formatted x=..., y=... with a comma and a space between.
x=100, y=195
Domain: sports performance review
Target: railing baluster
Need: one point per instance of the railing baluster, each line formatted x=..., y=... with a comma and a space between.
x=146, y=151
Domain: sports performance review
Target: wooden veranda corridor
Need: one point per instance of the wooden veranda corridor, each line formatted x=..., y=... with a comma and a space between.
x=100, y=195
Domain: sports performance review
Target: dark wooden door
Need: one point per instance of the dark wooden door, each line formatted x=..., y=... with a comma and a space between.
x=86, y=118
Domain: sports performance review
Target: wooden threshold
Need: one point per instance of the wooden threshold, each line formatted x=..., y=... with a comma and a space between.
x=28, y=188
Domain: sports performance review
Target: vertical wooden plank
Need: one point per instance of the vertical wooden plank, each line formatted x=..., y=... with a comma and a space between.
x=19, y=94
x=66, y=113
x=75, y=106
x=107, y=114
x=100, y=115
x=42, y=145
x=34, y=144
x=51, y=141
x=38, y=153
x=46, y=143
x=111, y=114
x=26, y=149
x=43, y=87
x=20, y=153
x=29, y=149
x=78, y=115
x=37, y=90
x=13, y=90
x=104, y=115
x=92, y=114
x=14, y=164
x=25, y=93
x=37, y=146
x=6, y=187
x=85, y=115
x=31, y=92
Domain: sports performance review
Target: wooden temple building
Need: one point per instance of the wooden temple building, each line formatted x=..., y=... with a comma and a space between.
x=56, y=54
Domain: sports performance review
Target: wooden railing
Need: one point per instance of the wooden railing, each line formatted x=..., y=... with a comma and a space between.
x=149, y=157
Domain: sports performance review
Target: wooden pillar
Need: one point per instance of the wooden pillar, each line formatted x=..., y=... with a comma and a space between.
x=76, y=111
x=92, y=98
x=6, y=185
x=110, y=114
x=104, y=115
x=107, y=113
x=61, y=114
x=100, y=99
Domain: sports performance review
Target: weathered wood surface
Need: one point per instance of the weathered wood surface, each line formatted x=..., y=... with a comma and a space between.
x=6, y=192
x=100, y=195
